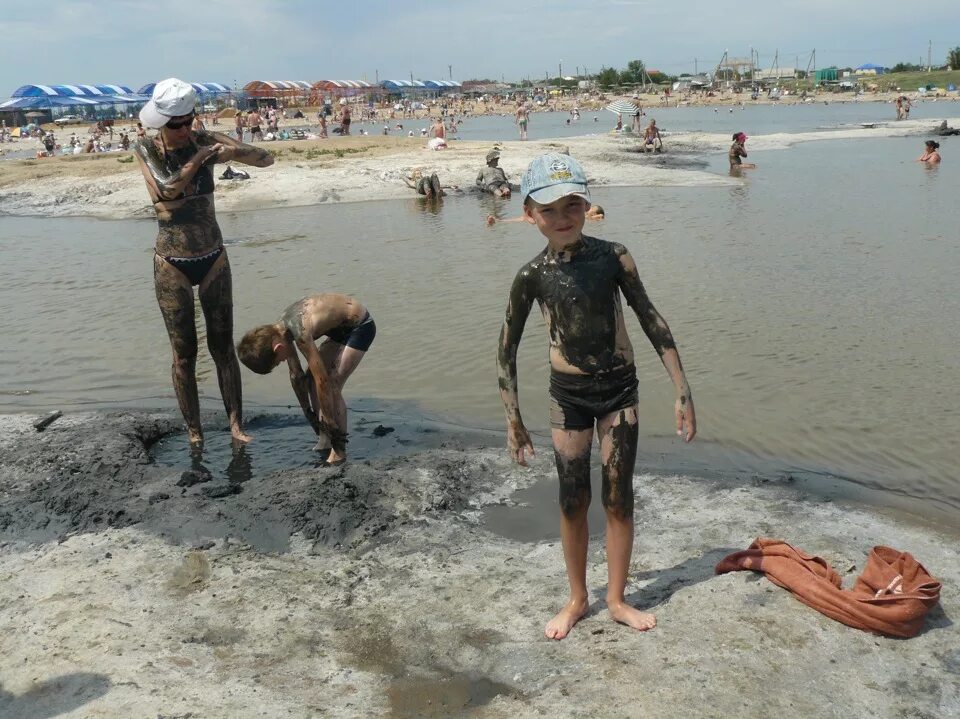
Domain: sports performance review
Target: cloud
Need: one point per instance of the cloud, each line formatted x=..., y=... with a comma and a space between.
x=133, y=42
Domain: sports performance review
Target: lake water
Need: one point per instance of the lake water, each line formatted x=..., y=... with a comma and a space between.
x=814, y=304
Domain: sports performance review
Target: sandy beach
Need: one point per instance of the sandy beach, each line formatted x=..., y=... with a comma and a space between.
x=379, y=590
x=110, y=186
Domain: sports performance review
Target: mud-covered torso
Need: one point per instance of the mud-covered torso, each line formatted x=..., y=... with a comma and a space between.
x=309, y=318
x=187, y=222
x=580, y=301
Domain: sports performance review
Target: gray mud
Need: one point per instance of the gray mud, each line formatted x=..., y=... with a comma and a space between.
x=377, y=589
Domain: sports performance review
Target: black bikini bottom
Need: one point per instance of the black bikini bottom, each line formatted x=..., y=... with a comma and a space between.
x=195, y=268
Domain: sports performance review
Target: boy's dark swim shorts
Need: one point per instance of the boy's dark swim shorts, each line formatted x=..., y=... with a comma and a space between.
x=359, y=336
x=577, y=401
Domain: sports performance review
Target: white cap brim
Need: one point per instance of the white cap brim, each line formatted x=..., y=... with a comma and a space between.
x=151, y=118
x=553, y=193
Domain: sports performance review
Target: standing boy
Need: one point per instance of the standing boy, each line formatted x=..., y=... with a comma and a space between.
x=349, y=329
x=577, y=281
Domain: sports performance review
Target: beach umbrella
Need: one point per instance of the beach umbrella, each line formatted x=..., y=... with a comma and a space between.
x=36, y=114
x=622, y=107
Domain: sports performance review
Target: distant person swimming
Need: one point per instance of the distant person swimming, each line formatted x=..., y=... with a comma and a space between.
x=595, y=213
x=931, y=154
x=737, y=150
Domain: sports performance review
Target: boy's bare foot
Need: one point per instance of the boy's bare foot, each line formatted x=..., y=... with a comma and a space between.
x=631, y=616
x=196, y=438
x=560, y=625
x=239, y=435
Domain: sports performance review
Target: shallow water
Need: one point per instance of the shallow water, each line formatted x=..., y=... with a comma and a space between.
x=814, y=304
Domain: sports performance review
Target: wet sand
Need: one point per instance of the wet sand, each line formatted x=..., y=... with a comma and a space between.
x=379, y=589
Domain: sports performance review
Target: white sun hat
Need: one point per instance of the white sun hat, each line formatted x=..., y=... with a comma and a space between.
x=171, y=98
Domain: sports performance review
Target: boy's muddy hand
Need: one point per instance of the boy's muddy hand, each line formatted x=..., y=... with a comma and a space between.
x=686, y=418
x=519, y=444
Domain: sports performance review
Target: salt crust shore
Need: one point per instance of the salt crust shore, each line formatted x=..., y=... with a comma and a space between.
x=101, y=187
x=375, y=590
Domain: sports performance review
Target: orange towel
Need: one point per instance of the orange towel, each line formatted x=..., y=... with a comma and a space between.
x=892, y=596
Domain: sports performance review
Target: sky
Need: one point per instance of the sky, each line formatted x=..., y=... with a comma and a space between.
x=131, y=42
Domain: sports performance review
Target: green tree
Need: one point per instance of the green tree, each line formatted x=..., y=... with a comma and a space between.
x=634, y=72
x=905, y=67
x=953, y=58
x=608, y=77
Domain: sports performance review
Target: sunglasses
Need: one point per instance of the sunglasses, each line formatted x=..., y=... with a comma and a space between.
x=182, y=123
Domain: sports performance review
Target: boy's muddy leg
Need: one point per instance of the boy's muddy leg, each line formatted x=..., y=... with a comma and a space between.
x=572, y=454
x=216, y=298
x=175, y=297
x=618, y=452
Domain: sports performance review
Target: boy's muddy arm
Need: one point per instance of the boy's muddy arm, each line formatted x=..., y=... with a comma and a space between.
x=300, y=381
x=518, y=308
x=658, y=332
x=325, y=389
x=232, y=150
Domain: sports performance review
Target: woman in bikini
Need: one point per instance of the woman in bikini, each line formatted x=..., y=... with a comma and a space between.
x=177, y=165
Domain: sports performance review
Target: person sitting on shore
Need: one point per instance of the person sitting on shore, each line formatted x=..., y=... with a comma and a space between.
x=427, y=186
x=931, y=154
x=349, y=330
x=652, y=142
x=738, y=150
x=492, y=178
x=945, y=130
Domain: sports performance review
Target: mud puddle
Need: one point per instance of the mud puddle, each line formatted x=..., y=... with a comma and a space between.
x=534, y=514
x=281, y=442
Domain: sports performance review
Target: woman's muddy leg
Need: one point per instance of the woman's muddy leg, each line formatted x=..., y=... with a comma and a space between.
x=216, y=298
x=618, y=453
x=175, y=297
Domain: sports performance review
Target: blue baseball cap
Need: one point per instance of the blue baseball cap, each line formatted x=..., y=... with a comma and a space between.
x=550, y=177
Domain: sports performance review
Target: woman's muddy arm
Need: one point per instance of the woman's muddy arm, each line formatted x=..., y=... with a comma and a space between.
x=232, y=150
x=167, y=185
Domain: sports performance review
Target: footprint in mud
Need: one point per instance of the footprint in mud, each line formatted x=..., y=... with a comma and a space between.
x=197, y=475
x=381, y=431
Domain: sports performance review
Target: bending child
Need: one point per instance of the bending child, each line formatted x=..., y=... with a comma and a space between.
x=349, y=330
x=577, y=281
